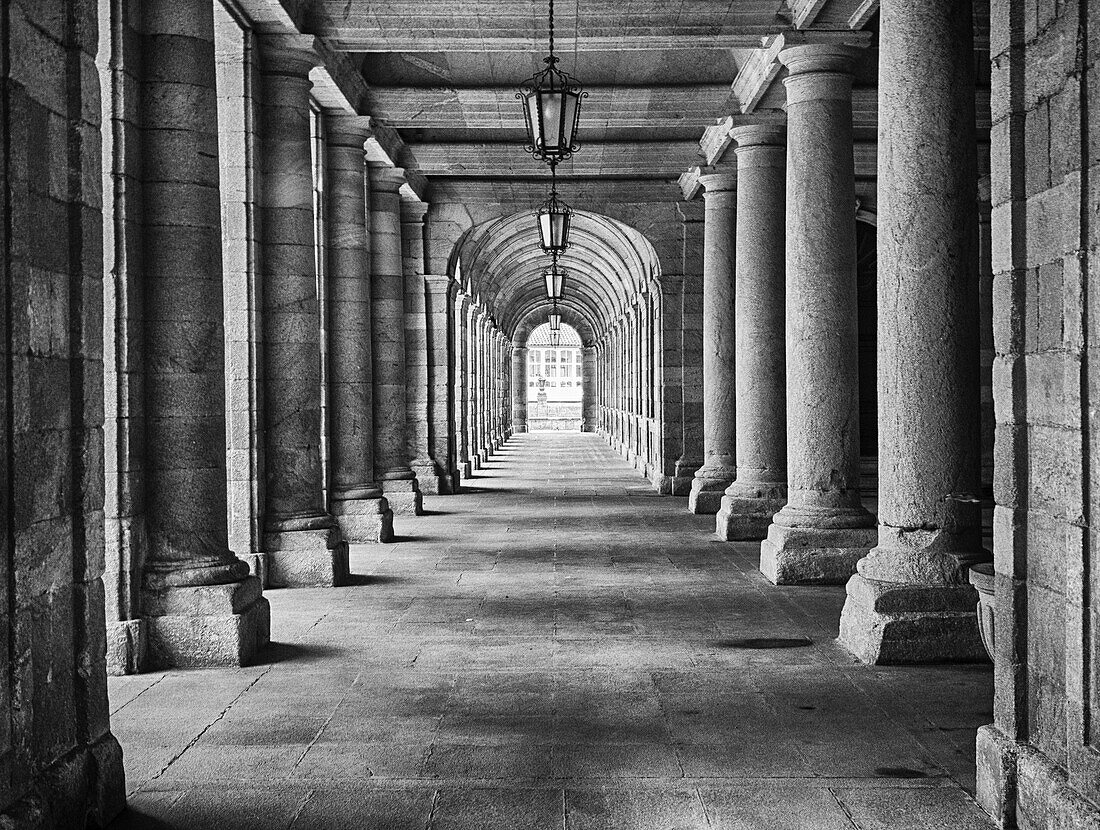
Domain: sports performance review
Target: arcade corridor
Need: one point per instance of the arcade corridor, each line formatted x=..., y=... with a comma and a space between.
x=558, y=646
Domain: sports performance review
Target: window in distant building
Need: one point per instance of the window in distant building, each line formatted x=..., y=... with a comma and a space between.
x=566, y=357
x=578, y=370
x=536, y=355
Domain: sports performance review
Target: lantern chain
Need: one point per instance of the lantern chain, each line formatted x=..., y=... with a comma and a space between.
x=551, y=60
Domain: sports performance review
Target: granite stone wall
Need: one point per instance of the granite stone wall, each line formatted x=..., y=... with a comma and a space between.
x=59, y=764
x=1037, y=764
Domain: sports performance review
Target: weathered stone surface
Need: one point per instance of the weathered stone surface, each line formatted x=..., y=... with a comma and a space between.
x=760, y=488
x=222, y=625
x=822, y=383
x=719, y=463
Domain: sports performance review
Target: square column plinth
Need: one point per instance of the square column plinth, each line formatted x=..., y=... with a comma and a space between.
x=814, y=556
x=404, y=497
x=364, y=521
x=308, y=558
x=888, y=623
x=206, y=625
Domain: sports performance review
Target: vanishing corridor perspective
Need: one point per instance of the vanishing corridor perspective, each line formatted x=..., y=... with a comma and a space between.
x=593, y=414
x=623, y=670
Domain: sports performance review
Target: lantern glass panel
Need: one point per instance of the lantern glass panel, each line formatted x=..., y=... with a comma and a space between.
x=555, y=322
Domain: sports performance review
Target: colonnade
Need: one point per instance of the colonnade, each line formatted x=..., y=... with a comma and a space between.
x=375, y=382
x=780, y=443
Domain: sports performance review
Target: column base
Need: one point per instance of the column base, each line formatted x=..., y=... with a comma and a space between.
x=467, y=470
x=996, y=761
x=429, y=481
x=312, y=557
x=707, y=489
x=364, y=521
x=742, y=519
x=257, y=566
x=404, y=496
x=813, y=556
x=888, y=623
x=206, y=625
x=127, y=643
x=86, y=787
x=683, y=476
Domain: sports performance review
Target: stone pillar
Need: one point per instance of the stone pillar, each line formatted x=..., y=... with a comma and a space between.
x=391, y=454
x=719, y=462
x=475, y=388
x=439, y=301
x=503, y=374
x=910, y=600
x=669, y=381
x=200, y=605
x=462, y=385
x=417, y=425
x=357, y=502
x=823, y=530
x=302, y=540
x=760, y=489
x=519, y=389
x=589, y=403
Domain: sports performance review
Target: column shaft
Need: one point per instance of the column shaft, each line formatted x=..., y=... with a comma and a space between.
x=462, y=385
x=760, y=488
x=417, y=424
x=391, y=453
x=824, y=529
x=910, y=601
x=188, y=563
x=719, y=401
x=302, y=540
x=357, y=501
x=439, y=314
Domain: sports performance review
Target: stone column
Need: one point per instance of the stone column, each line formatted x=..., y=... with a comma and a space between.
x=391, y=454
x=200, y=605
x=416, y=348
x=719, y=462
x=439, y=304
x=824, y=529
x=473, y=385
x=462, y=385
x=302, y=540
x=910, y=601
x=357, y=502
x=589, y=402
x=519, y=389
x=669, y=380
x=503, y=374
x=760, y=489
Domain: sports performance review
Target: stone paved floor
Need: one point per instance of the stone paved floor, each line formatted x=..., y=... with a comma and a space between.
x=557, y=648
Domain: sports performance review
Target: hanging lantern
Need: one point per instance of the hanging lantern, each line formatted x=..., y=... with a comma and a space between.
x=551, y=108
x=555, y=281
x=554, y=219
x=555, y=321
x=555, y=339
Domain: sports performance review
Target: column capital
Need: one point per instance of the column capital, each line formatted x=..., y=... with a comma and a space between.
x=437, y=283
x=290, y=55
x=413, y=212
x=383, y=177
x=347, y=130
x=759, y=135
x=810, y=58
x=819, y=72
x=719, y=181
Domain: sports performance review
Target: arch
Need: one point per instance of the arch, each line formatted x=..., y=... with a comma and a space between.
x=608, y=263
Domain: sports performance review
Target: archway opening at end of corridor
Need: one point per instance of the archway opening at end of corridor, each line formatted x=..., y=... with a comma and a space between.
x=555, y=375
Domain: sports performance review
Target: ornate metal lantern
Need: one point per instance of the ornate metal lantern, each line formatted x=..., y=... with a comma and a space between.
x=555, y=320
x=551, y=108
x=554, y=220
x=555, y=339
x=554, y=278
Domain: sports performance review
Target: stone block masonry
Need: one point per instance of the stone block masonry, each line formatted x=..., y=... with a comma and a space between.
x=62, y=766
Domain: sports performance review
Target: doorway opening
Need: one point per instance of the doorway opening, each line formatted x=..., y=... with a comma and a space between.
x=555, y=380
